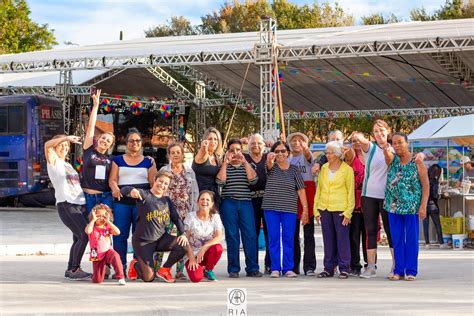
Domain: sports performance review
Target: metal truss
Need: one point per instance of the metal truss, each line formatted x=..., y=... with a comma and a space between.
x=268, y=76
x=200, y=102
x=121, y=62
x=180, y=90
x=377, y=48
x=441, y=111
x=213, y=86
x=62, y=92
x=456, y=67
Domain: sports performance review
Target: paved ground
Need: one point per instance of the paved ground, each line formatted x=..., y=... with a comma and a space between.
x=34, y=284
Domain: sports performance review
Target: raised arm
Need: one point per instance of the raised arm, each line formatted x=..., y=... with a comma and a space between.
x=49, y=152
x=202, y=154
x=364, y=142
x=89, y=139
x=388, y=154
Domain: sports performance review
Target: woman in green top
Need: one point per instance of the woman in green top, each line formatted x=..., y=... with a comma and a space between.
x=406, y=196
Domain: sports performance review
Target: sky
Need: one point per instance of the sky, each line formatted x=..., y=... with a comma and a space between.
x=86, y=22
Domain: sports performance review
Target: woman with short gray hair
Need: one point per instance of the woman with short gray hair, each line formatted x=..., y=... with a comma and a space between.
x=333, y=206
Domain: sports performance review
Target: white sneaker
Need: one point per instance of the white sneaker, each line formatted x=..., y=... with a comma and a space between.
x=290, y=274
x=427, y=247
x=275, y=274
x=444, y=246
x=310, y=273
x=368, y=273
x=122, y=282
x=390, y=274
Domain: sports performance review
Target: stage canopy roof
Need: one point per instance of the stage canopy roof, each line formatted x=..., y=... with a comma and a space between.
x=410, y=65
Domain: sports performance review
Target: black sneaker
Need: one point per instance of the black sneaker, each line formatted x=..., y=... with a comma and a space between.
x=80, y=275
x=255, y=274
x=354, y=273
x=268, y=270
x=233, y=275
x=67, y=274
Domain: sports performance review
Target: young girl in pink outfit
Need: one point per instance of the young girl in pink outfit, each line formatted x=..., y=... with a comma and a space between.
x=100, y=229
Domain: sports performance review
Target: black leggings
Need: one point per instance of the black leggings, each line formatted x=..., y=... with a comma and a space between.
x=73, y=217
x=144, y=252
x=372, y=207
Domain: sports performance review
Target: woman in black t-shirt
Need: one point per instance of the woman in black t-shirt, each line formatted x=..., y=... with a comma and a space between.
x=208, y=161
x=96, y=162
x=154, y=214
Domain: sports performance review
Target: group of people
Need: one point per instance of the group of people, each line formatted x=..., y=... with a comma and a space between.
x=186, y=210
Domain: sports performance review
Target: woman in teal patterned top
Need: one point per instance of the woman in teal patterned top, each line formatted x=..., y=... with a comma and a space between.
x=406, y=196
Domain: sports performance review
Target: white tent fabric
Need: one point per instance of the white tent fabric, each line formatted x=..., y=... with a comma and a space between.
x=458, y=128
x=47, y=79
x=238, y=42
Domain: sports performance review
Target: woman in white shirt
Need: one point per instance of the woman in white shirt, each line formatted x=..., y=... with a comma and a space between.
x=204, y=232
x=70, y=200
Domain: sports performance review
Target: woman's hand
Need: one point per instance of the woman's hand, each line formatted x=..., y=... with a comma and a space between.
x=182, y=241
x=96, y=97
x=318, y=219
x=346, y=221
x=305, y=216
x=135, y=194
x=315, y=169
x=271, y=157
x=74, y=139
x=422, y=213
x=200, y=255
x=192, y=264
x=116, y=194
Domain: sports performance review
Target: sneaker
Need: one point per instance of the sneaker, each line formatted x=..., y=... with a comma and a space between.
x=165, y=275
x=79, y=275
x=427, y=247
x=67, y=274
x=255, y=274
x=444, y=246
x=132, y=273
x=310, y=273
x=390, y=274
x=343, y=275
x=233, y=275
x=290, y=274
x=354, y=273
x=275, y=274
x=268, y=270
x=180, y=276
x=368, y=273
x=122, y=282
x=209, y=274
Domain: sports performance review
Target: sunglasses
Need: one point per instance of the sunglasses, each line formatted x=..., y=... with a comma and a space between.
x=280, y=151
x=134, y=140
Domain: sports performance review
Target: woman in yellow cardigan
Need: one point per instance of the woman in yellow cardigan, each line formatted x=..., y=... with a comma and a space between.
x=333, y=206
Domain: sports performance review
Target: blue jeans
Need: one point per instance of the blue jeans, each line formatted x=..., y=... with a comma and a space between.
x=125, y=215
x=405, y=232
x=94, y=199
x=238, y=217
x=287, y=222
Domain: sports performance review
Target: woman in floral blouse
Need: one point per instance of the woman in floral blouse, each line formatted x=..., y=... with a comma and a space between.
x=183, y=191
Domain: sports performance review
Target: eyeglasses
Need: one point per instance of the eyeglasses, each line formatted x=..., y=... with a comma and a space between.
x=135, y=141
x=280, y=151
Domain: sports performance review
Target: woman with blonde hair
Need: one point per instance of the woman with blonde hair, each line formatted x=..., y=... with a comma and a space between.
x=97, y=162
x=69, y=200
x=207, y=162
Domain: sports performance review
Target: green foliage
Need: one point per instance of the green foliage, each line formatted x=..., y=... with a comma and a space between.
x=177, y=26
x=379, y=18
x=452, y=9
x=18, y=33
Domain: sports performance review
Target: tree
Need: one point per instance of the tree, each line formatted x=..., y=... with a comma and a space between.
x=452, y=9
x=245, y=16
x=177, y=26
x=379, y=18
x=18, y=33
